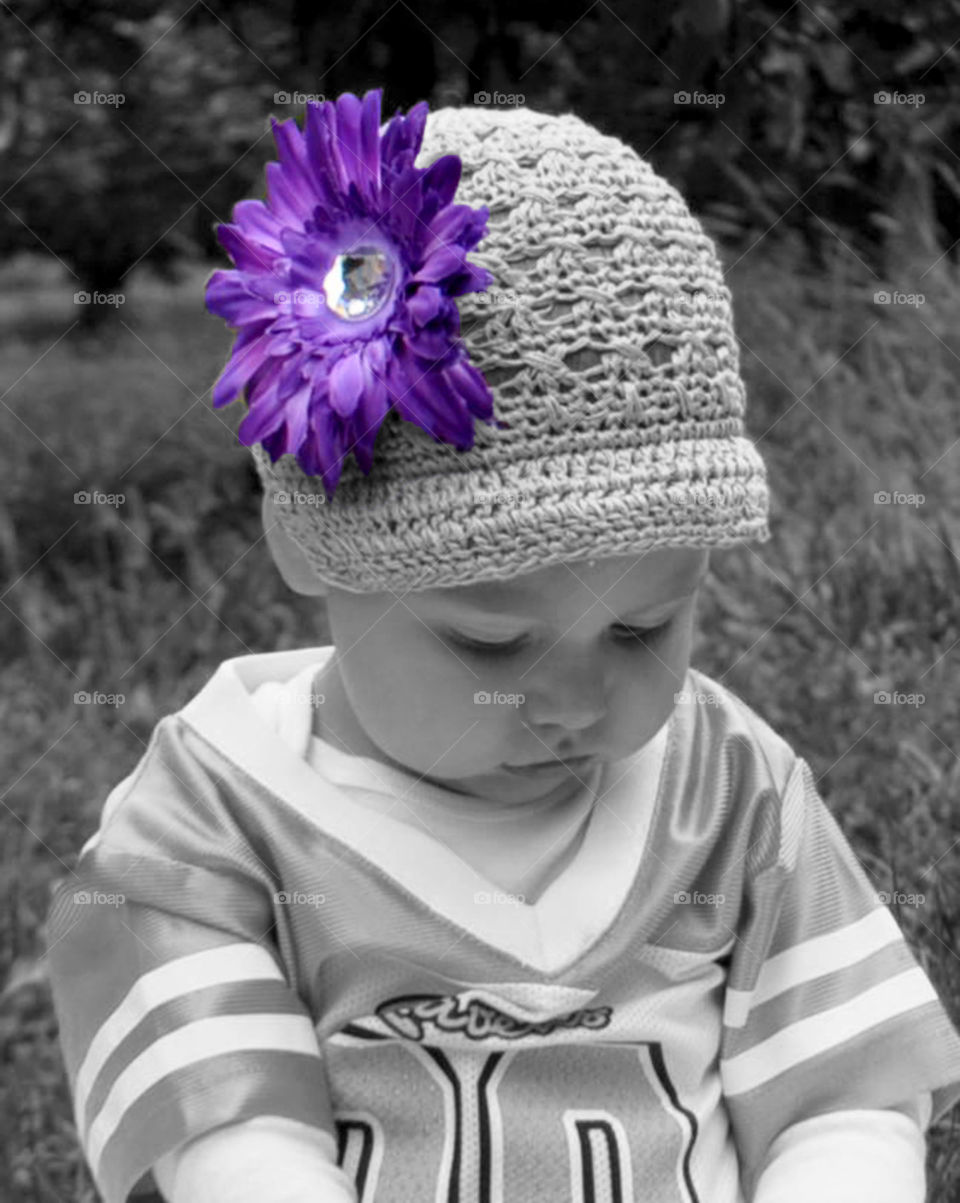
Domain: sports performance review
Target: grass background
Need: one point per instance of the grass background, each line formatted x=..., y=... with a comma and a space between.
x=846, y=397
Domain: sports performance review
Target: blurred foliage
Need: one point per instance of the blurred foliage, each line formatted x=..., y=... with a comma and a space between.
x=798, y=146
x=104, y=186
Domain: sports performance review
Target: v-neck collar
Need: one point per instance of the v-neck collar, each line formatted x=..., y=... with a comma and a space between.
x=574, y=910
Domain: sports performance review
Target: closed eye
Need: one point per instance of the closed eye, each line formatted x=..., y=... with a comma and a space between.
x=629, y=635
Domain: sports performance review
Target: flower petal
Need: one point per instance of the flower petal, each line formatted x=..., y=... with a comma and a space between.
x=246, y=252
x=374, y=404
x=370, y=143
x=430, y=344
x=295, y=370
x=348, y=132
x=273, y=444
x=474, y=228
x=327, y=448
x=346, y=384
x=321, y=148
x=399, y=385
x=293, y=149
x=401, y=205
x=289, y=199
x=293, y=155
x=265, y=415
x=228, y=297
x=445, y=261
x=240, y=367
x=445, y=227
x=403, y=136
x=473, y=278
x=258, y=223
x=425, y=304
x=464, y=380
x=332, y=147
x=442, y=178
x=295, y=413
x=422, y=398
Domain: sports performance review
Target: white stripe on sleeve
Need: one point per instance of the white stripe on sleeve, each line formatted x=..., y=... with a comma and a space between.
x=826, y=1030
x=813, y=958
x=212, y=967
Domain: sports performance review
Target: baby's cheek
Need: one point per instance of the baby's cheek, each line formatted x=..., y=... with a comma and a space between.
x=672, y=649
x=452, y=713
x=645, y=687
x=483, y=710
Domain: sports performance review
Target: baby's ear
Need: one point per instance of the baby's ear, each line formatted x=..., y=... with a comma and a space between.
x=291, y=563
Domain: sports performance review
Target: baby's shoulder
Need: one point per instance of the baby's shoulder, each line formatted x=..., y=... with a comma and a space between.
x=726, y=717
x=752, y=789
x=178, y=791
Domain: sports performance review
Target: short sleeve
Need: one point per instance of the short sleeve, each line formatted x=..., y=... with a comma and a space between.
x=825, y=1008
x=175, y=1012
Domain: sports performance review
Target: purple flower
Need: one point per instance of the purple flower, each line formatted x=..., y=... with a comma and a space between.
x=342, y=296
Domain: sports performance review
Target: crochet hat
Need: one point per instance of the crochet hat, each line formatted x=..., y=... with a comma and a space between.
x=592, y=314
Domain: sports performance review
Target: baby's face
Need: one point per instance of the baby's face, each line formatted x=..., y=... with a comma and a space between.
x=562, y=674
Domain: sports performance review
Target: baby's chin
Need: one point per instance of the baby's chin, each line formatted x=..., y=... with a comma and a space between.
x=501, y=787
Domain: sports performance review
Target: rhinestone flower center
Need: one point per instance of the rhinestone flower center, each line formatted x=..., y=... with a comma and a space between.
x=359, y=283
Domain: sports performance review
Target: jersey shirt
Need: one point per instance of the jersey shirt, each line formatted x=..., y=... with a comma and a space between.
x=243, y=938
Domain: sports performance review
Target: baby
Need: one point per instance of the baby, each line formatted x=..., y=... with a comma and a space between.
x=492, y=897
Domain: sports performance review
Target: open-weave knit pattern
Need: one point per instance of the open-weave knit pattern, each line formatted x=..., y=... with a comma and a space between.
x=608, y=343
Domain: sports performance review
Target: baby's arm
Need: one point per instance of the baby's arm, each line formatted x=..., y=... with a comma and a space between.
x=178, y=1014
x=832, y=1032
x=267, y=1159
x=845, y=1156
